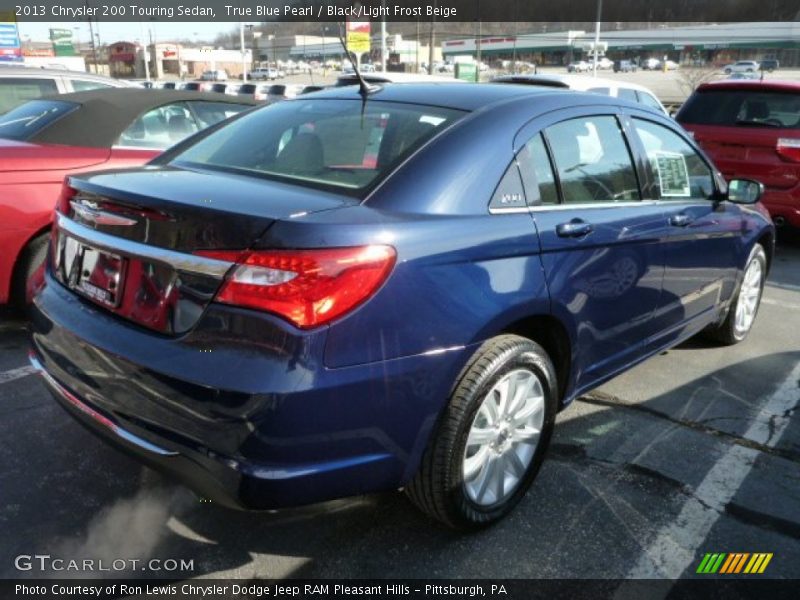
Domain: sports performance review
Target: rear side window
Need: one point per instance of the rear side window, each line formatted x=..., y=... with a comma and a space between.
x=537, y=173
x=592, y=160
x=83, y=85
x=16, y=90
x=680, y=172
x=743, y=108
x=211, y=113
x=321, y=143
x=649, y=100
x=160, y=127
x=25, y=121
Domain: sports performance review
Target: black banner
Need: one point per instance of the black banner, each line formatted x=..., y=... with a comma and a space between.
x=404, y=10
x=728, y=588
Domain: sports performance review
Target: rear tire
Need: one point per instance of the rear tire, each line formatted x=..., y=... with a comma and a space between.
x=744, y=307
x=487, y=451
x=29, y=260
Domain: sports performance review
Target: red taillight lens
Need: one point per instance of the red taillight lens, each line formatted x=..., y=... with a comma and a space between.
x=307, y=287
x=789, y=148
x=67, y=194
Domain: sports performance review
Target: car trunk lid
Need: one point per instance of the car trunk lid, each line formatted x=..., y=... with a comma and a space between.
x=131, y=241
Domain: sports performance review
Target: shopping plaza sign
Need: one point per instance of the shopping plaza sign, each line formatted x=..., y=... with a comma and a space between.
x=9, y=38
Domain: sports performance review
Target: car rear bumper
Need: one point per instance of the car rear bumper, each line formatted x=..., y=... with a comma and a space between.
x=783, y=206
x=270, y=440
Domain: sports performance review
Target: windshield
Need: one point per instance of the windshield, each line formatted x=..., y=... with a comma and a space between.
x=321, y=143
x=25, y=121
x=743, y=108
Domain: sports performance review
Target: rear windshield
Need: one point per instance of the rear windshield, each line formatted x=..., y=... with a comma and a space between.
x=277, y=90
x=329, y=144
x=25, y=121
x=744, y=108
x=247, y=88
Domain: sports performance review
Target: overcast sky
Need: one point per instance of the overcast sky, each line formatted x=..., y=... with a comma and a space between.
x=129, y=32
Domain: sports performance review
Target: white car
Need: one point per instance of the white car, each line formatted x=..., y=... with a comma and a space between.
x=578, y=66
x=595, y=85
x=742, y=66
x=604, y=63
x=214, y=75
x=651, y=64
x=263, y=74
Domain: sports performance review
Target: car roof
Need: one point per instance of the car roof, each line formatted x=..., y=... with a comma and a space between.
x=580, y=83
x=467, y=97
x=781, y=85
x=391, y=77
x=11, y=71
x=107, y=113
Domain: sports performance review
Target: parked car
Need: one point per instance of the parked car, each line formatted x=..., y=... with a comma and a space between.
x=279, y=92
x=20, y=84
x=742, y=66
x=579, y=66
x=277, y=324
x=214, y=75
x=224, y=87
x=603, y=64
x=256, y=91
x=769, y=65
x=264, y=74
x=43, y=140
x=169, y=85
x=308, y=89
x=624, y=66
x=195, y=86
x=596, y=85
x=651, y=64
x=752, y=129
x=740, y=75
x=671, y=65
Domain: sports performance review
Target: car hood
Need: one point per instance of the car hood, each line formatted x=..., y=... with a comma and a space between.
x=23, y=156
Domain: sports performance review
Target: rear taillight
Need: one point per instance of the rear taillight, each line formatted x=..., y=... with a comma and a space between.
x=67, y=194
x=789, y=148
x=307, y=287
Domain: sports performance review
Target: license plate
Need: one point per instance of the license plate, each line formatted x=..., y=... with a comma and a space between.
x=96, y=274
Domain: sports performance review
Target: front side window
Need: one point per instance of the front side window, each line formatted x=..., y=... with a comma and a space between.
x=680, y=172
x=592, y=160
x=321, y=143
x=160, y=127
x=16, y=90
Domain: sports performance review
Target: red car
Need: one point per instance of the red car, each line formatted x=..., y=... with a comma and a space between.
x=46, y=139
x=751, y=130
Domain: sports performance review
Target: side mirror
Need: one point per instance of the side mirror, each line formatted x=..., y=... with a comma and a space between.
x=745, y=191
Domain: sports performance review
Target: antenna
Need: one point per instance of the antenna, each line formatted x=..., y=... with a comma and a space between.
x=364, y=88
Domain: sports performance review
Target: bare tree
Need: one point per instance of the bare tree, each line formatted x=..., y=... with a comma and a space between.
x=689, y=78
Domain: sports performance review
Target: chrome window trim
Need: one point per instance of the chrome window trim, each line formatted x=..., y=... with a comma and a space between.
x=187, y=263
x=577, y=206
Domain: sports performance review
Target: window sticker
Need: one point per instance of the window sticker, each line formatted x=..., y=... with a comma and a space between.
x=673, y=174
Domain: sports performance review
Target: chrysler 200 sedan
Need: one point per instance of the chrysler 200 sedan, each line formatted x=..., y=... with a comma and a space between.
x=355, y=292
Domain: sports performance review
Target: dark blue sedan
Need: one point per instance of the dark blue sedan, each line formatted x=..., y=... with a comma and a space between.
x=355, y=292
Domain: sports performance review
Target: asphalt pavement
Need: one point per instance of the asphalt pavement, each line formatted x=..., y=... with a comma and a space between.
x=694, y=451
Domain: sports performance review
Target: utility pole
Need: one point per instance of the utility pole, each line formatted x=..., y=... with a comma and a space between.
x=91, y=37
x=478, y=44
x=383, y=37
x=597, y=36
x=416, y=65
x=146, y=52
x=431, y=40
x=241, y=44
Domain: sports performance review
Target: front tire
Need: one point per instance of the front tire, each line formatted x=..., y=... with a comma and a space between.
x=492, y=437
x=744, y=308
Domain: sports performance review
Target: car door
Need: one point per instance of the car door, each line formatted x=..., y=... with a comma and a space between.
x=600, y=243
x=704, y=236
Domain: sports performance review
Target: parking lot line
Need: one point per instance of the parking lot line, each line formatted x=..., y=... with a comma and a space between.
x=789, y=305
x=675, y=546
x=13, y=374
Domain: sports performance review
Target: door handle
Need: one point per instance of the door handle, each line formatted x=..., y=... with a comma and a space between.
x=680, y=220
x=574, y=228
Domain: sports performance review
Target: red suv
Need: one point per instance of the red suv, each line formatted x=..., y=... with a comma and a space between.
x=751, y=129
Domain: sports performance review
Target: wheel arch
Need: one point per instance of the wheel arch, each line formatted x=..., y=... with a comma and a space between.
x=15, y=271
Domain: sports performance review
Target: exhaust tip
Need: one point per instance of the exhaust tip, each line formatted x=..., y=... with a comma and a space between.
x=779, y=221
